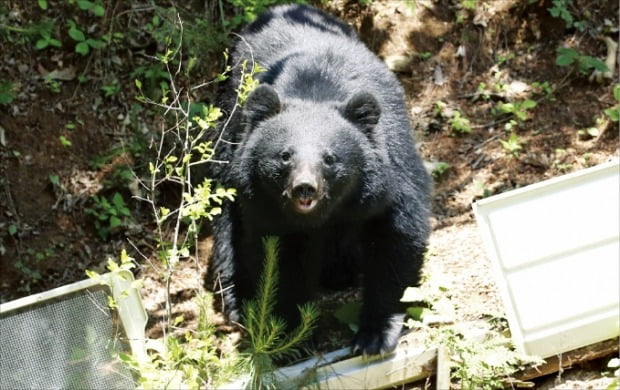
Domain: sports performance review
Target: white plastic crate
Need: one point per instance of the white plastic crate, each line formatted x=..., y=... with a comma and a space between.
x=556, y=252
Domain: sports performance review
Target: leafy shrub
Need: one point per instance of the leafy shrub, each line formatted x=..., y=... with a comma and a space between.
x=110, y=215
x=584, y=63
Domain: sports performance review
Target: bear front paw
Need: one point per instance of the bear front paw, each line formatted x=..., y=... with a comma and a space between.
x=380, y=341
x=375, y=342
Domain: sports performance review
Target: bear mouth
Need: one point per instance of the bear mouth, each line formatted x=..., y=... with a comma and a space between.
x=305, y=205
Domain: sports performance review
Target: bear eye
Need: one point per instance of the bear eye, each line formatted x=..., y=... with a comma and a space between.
x=285, y=156
x=329, y=159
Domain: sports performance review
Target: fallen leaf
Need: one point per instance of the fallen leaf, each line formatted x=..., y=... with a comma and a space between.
x=65, y=74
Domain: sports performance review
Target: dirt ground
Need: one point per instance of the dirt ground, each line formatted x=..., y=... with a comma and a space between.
x=469, y=59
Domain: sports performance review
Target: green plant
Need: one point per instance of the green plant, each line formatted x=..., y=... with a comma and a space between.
x=589, y=132
x=189, y=359
x=483, y=364
x=440, y=169
x=31, y=275
x=42, y=31
x=12, y=229
x=348, y=314
x=469, y=4
x=153, y=80
x=466, y=6
x=46, y=39
x=28, y=264
x=64, y=141
x=614, y=112
x=482, y=189
x=476, y=361
x=84, y=43
x=584, y=63
x=458, y=123
x=96, y=7
x=517, y=110
x=268, y=337
x=200, y=38
x=425, y=55
x=544, y=88
x=192, y=359
x=114, y=88
x=419, y=303
x=505, y=58
x=560, y=9
x=248, y=10
x=249, y=82
x=52, y=84
x=512, y=145
x=110, y=215
x=7, y=93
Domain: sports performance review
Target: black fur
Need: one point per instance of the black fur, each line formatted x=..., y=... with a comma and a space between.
x=323, y=157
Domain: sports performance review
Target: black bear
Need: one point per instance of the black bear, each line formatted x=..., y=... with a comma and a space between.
x=322, y=156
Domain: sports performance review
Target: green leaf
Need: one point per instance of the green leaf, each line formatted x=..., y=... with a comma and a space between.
x=98, y=10
x=592, y=62
x=566, y=56
x=82, y=48
x=118, y=201
x=115, y=222
x=42, y=43
x=93, y=275
x=417, y=312
x=75, y=33
x=66, y=142
x=528, y=104
x=84, y=5
x=95, y=43
x=613, y=113
x=506, y=107
x=6, y=92
x=349, y=313
x=55, y=180
x=112, y=303
x=42, y=4
x=12, y=229
x=617, y=92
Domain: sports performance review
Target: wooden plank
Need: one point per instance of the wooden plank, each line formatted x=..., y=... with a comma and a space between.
x=567, y=359
x=443, y=368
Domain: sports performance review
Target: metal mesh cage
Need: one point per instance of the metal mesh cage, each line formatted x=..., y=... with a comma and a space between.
x=69, y=342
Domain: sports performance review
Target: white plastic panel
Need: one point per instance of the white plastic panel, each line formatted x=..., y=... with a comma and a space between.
x=555, y=246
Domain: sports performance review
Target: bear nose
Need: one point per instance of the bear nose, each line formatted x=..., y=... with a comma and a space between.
x=304, y=190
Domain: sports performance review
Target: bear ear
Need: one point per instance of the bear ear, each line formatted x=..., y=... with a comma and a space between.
x=363, y=110
x=261, y=104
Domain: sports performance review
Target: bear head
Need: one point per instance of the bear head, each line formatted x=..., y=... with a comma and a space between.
x=306, y=158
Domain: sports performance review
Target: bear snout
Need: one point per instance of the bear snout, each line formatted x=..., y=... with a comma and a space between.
x=304, y=191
